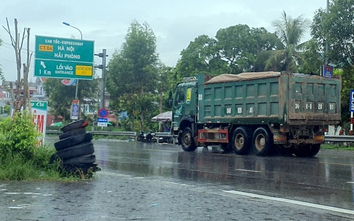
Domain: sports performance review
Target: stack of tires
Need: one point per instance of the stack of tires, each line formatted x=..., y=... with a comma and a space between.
x=75, y=149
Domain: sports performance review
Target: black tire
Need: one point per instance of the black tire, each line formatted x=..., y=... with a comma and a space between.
x=226, y=147
x=80, y=169
x=241, y=141
x=314, y=149
x=74, y=125
x=261, y=142
x=306, y=150
x=75, y=151
x=72, y=133
x=187, y=140
x=73, y=140
x=300, y=150
x=85, y=159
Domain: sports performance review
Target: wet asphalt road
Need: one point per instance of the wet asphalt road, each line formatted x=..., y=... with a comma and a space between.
x=161, y=182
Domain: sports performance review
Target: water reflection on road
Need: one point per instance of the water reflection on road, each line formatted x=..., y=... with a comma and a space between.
x=326, y=179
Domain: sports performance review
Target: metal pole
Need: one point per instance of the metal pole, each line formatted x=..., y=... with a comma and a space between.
x=326, y=61
x=77, y=80
x=102, y=105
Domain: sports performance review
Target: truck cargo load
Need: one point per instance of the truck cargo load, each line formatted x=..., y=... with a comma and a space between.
x=256, y=111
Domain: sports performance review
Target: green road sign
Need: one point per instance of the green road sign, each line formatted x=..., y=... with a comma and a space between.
x=63, y=58
x=42, y=105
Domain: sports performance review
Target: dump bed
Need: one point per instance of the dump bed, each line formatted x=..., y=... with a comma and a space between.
x=269, y=97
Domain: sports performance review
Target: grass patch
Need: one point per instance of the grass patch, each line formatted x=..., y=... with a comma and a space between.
x=338, y=146
x=16, y=166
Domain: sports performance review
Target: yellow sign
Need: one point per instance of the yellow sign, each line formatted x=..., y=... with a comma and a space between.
x=82, y=70
x=48, y=48
x=189, y=94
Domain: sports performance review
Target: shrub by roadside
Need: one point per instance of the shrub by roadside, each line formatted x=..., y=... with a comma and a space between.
x=21, y=157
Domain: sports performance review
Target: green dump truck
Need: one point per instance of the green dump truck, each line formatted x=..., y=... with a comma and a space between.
x=256, y=112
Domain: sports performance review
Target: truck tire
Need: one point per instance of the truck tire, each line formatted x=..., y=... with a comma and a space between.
x=74, y=125
x=300, y=150
x=72, y=133
x=306, y=150
x=241, y=141
x=75, y=151
x=187, y=140
x=73, y=140
x=90, y=158
x=314, y=149
x=261, y=142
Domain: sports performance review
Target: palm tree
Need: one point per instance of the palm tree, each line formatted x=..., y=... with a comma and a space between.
x=288, y=56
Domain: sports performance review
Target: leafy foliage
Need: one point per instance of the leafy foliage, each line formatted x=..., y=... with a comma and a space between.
x=234, y=50
x=335, y=29
x=18, y=135
x=61, y=96
x=290, y=31
x=201, y=56
x=132, y=76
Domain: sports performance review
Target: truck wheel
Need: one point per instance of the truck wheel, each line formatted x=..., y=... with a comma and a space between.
x=187, y=141
x=240, y=141
x=314, y=149
x=301, y=150
x=226, y=147
x=262, y=142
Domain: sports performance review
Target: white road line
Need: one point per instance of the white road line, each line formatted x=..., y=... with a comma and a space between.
x=317, y=206
x=251, y=171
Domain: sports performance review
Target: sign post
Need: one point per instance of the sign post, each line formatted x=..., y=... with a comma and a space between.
x=39, y=111
x=102, y=121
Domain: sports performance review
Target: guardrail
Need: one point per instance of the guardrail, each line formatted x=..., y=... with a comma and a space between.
x=339, y=138
x=107, y=133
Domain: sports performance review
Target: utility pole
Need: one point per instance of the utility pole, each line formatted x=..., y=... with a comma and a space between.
x=102, y=55
x=77, y=80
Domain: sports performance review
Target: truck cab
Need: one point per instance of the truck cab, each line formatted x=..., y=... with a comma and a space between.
x=184, y=107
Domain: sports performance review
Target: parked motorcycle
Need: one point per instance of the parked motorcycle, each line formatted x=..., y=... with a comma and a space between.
x=146, y=137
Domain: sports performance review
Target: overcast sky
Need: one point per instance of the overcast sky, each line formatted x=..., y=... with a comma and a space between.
x=175, y=23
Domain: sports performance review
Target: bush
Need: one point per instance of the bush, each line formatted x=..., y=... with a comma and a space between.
x=21, y=156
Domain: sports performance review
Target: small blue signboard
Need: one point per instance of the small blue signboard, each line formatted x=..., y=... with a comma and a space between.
x=351, y=104
x=102, y=122
x=327, y=71
x=74, y=114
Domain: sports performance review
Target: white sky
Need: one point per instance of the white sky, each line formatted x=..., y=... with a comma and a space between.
x=175, y=23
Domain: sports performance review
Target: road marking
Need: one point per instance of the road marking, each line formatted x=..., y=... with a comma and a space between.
x=317, y=206
x=251, y=171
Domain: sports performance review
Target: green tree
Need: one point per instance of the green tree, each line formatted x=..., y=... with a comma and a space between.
x=61, y=96
x=234, y=50
x=133, y=73
x=290, y=31
x=313, y=58
x=235, y=46
x=240, y=45
x=201, y=56
x=335, y=29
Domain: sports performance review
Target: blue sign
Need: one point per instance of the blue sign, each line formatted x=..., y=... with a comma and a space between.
x=327, y=71
x=75, y=111
x=102, y=112
x=102, y=120
x=351, y=104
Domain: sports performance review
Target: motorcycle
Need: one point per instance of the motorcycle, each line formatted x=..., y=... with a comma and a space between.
x=146, y=137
